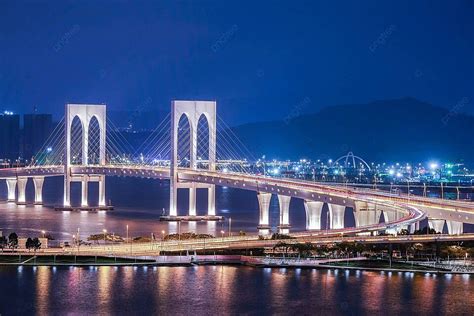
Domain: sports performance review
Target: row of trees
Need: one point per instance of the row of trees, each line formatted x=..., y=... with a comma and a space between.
x=12, y=242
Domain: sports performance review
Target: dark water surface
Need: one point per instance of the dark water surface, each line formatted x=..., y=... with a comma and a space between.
x=208, y=290
x=230, y=290
x=139, y=204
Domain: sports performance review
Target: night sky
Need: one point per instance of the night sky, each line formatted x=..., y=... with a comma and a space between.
x=258, y=59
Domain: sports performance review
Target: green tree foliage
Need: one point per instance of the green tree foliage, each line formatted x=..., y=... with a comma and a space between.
x=29, y=243
x=13, y=241
x=36, y=244
x=277, y=236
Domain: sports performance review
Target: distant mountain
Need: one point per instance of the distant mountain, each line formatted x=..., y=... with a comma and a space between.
x=402, y=129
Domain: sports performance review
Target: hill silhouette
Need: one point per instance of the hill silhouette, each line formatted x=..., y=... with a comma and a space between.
x=403, y=129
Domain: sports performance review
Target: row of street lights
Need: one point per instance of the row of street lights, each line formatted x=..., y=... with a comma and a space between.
x=76, y=238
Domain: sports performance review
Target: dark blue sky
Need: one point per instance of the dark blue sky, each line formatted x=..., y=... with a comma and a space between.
x=258, y=59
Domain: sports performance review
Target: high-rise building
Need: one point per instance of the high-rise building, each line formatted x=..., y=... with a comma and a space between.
x=9, y=135
x=36, y=130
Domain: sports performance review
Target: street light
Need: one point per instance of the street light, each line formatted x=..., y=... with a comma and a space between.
x=44, y=233
x=230, y=226
x=105, y=232
x=127, y=234
x=162, y=239
x=222, y=234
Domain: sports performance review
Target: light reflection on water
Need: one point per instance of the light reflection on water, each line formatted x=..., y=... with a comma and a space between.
x=138, y=204
x=229, y=290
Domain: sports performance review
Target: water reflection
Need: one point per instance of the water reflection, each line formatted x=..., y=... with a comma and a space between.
x=106, y=276
x=42, y=278
x=230, y=290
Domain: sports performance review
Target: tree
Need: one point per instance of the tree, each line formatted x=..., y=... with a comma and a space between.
x=404, y=232
x=29, y=243
x=13, y=241
x=36, y=244
x=283, y=246
x=3, y=242
x=425, y=231
x=303, y=249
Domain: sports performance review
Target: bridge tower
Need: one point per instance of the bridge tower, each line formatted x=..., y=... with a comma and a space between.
x=193, y=110
x=85, y=113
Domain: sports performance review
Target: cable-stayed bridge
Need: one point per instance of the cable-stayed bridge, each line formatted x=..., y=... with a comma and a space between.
x=193, y=148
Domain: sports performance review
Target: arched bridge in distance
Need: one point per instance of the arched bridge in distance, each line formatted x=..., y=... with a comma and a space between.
x=193, y=148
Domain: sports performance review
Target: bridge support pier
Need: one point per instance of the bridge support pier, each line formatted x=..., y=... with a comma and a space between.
x=193, y=110
x=67, y=190
x=264, y=205
x=85, y=113
x=454, y=228
x=11, y=187
x=21, y=190
x=84, y=190
x=102, y=201
x=336, y=215
x=284, y=203
x=366, y=214
x=313, y=214
x=414, y=227
x=192, y=200
x=391, y=216
x=211, y=200
x=436, y=224
x=38, y=182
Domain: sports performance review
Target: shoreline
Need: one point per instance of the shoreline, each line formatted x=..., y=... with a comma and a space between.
x=190, y=261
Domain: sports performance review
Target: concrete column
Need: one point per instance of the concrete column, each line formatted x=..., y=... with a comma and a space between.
x=436, y=224
x=454, y=228
x=193, y=110
x=102, y=201
x=264, y=204
x=211, y=200
x=414, y=227
x=11, y=187
x=85, y=142
x=313, y=214
x=102, y=141
x=390, y=216
x=84, y=190
x=336, y=215
x=193, y=143
x=284, y=202
x=192, y=200
x=174, y=161
x=38, y=182
x=67, y=189
x=21, y=190
x=366, y=214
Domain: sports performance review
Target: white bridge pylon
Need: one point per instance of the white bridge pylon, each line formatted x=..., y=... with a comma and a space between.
x=85, y=113
x=193, y=110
